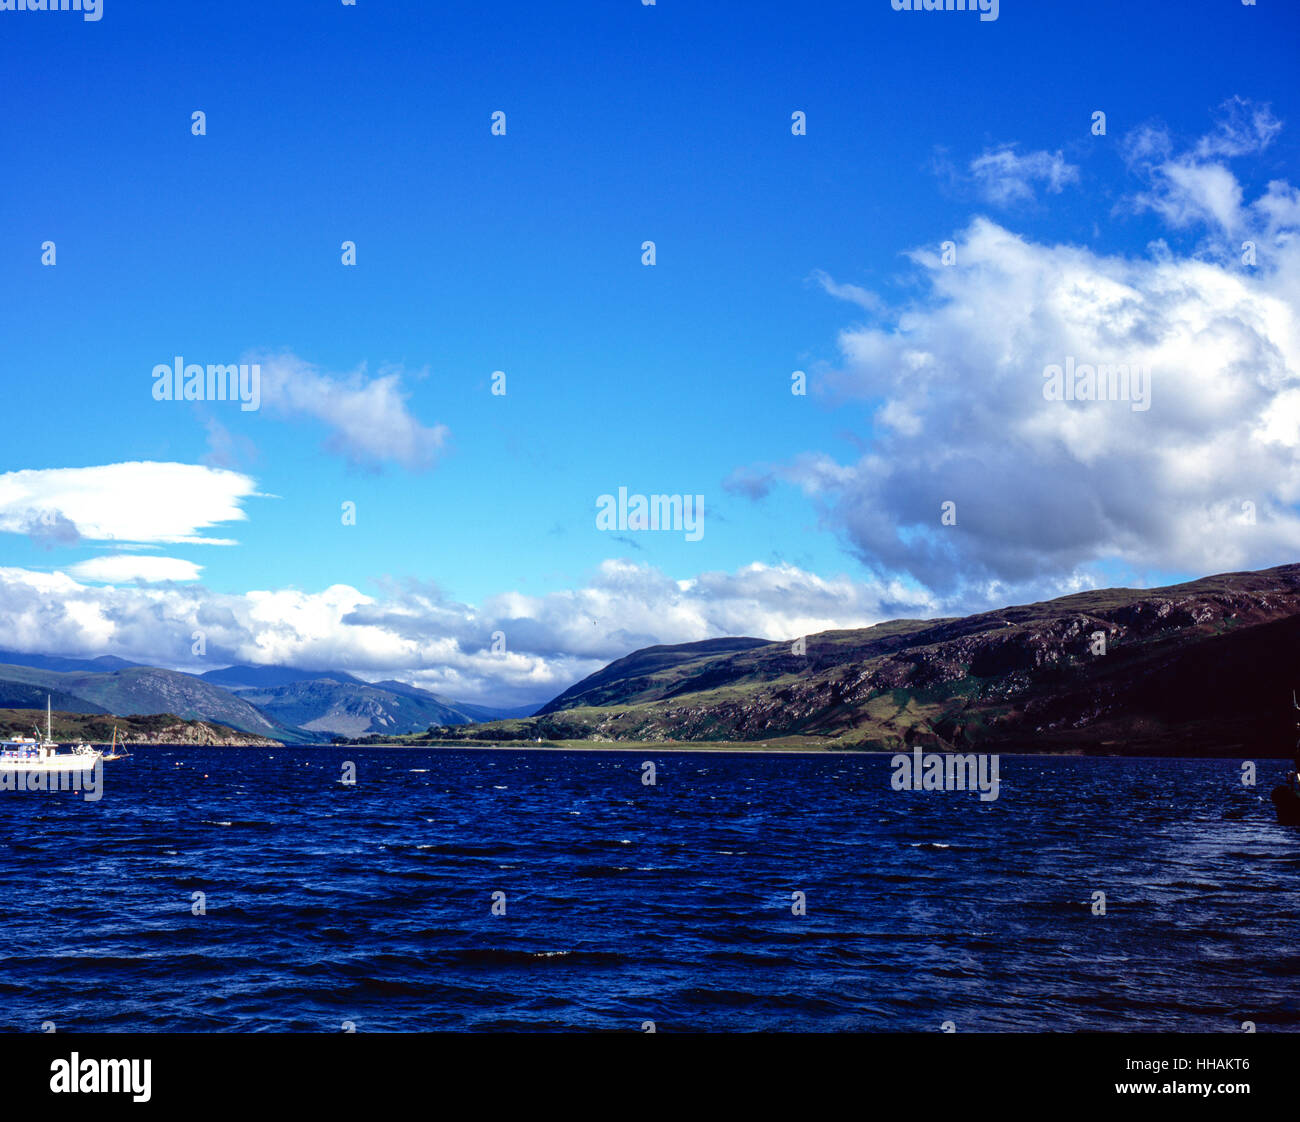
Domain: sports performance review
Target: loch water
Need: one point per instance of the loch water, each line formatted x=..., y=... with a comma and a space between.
x=377, y=904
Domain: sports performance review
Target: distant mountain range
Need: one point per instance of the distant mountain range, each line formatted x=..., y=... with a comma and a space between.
x=136, y=691
x=324, y=706
x=282, y=703
x=1203, y=668
x=55, y=662
x=235, y=677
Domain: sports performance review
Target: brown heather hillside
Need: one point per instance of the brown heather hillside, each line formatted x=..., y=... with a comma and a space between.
x=1203, y=668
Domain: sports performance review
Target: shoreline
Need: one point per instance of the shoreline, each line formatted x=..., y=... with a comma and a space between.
x=715, y=748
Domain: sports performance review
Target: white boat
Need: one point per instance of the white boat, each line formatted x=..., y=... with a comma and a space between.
x=24, y=753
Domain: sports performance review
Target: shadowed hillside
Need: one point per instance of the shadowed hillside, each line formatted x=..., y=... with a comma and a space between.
x=1205, y=667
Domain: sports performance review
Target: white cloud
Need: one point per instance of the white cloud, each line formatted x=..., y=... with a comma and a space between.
x=414, y=633
x=1046, y=491
x=136, y=502
x=1052, y=495
x=1004, y=177
x=1243, y=128
x=1187, y=193
x=1195, y=187
x=368, y=418
x=853, y=293
x=124, y=569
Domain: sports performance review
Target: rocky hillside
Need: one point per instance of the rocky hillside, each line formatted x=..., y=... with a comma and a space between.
x=1200, y=668
x=654, y=671
x=157, y=728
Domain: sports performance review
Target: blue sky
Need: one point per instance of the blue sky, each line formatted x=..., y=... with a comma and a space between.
x=522, y=253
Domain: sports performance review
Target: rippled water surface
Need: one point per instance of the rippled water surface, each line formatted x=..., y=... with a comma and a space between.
x=672, y=903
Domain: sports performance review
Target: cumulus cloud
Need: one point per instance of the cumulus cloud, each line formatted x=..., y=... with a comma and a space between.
x=1004, y=177
x=368, y=419
x=138, y=502
x=1204, y=480
x=414, y=633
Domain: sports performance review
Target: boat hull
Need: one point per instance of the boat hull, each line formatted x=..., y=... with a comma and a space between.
x=78, y=762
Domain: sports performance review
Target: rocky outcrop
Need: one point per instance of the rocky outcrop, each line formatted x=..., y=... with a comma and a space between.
x=202, y=734
x=156, y=728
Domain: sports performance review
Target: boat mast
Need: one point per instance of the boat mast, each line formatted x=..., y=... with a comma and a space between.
x=48, y=723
